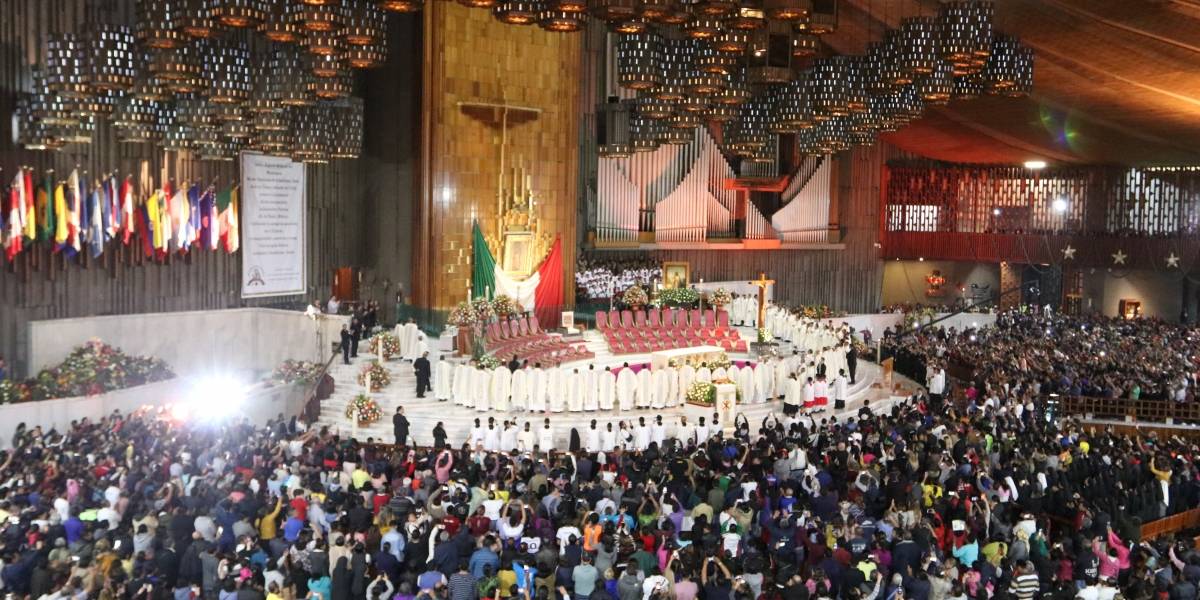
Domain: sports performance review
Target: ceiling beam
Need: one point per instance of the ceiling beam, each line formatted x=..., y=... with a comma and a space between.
x=1087, y=14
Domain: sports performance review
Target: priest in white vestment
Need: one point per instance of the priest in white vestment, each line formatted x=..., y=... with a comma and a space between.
x=658, y=432
x=627, y=386
x=641, y=435
x=526, y=440
x=443, y=390
x=645, y=395
x=704, y=374
x=408, y=338
x=491, y=436
x=591, y=438
x=662, y=387
x=674, y=398
x=462, y=384
x=480, y=381
x=508, y=437
x=500, y=388
x=591, y=388
x=560, y=389
x=539, y=383
x=607, y=389
x=520, y=388
x=579, y=391
x=745, y=383
x=687, y=376
x=793, y=399
x=719, y=373
x=781, y=374
x=608, y=437
x=546, y=437
x=764, y=381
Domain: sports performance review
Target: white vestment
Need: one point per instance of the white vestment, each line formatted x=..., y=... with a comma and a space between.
x=500, y=389
x=719, y=373
x=442, y=390
x=591, y=390
x=658, y=434
x=592, y=440
x=687, y=376
x=645, y=396
x=745, y=383
x=526, y=441
x=608, y=439
x=462, y=384
x=399, y=332
x=520, y=388
x=673, y=397
x=641, y=437
x=480, y=381
x=560, y=389
x=662, y=387
x=546, y=438
x=418, y=349
x=538, y=385
x=607, y=390
x=508, y=438
x=781, y=376
x=764, y=382
x=408, y=341
x=627, y=386
x=578, y=391
x=491, y=439
x=794, y=393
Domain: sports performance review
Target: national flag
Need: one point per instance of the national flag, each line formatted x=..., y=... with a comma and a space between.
x=166, y=221
x=96, y=210
x=74, y=210
x=15, y=227
x=146, y=226
x=46, y=209
x=104, y=199
x=59, y=219
x=180, y=217
x=30, y=207
x=128, y=217
x=194, y=212
x=227, y=207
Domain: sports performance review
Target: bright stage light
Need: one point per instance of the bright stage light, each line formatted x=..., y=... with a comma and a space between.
x=1035, y=164
x=1059, y=205
x=996, y=212
x=213, y=398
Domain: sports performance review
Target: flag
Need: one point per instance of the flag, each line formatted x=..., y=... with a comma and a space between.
x=177, y=215
x=549, y=295
x=96, y=210
x=165, y=220
x=206, y=225
x=15, y=227
x=146, y=225
x=483, y=272
x=74, y=208
x=46, y=209
x=128, y=217
x=193, y=225
x=30, y=207
x=59, y=220
x=214, y=222
x=104, y=199
x=227, y=207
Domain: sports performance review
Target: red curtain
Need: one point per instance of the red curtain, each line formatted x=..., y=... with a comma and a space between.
x=548, y=298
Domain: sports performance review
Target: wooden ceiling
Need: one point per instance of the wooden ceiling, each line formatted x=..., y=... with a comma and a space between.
x=1115, y=81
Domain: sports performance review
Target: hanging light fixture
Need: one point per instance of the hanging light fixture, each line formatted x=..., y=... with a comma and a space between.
x=239, y=13
x=1000, y=71
x=64, y=66
x=100, y=104
x=348, y=119
x=714, y=8
x=857, y=98
x=326, y=65
x=196, y=21
x=193, y=112
x=269, y=82
x=692, y=104
x=829, y=87
x=805, y=44
x=984, y=14
x=894, y=73
x=158, y=22
x=331, y=88
x=644, y=133
x=135, y=120
x=702, y=27
x=911, y=106
x=478, y=3
x=957, y=21
x=517, y=12
x=323, y=18
x=737, y=89
x=678, y=15
x=919, y=42
x=223, y=113
x=968, y=87
x=565, y=16
x=148, y=89
x=179, y=69
x=732, y=42
x=1024, y=68
x=653, y=108
x=749, y=16
x=108, y=57
x=365, y=57
x=677, y=60
x=712, y=60
x=275, y=143
x=321, y=42
x=867, y=120
x=310, y=135
x=293, y=79
x=614, y=135
x=639, y=61
x=402, y=6
x=937, y=87
x=282, y=23
x=614, y=10
x=175, y=135
x=227, y=68
x=703, y=83
x=769, y=58
x=685, y=120
x=787, y=10
x=657, y=9
x=677, y=136
x=823, y=18
x=366, y=24
x=877, y=83
x=628, y=26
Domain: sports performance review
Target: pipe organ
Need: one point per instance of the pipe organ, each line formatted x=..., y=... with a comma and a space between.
x=805, y=213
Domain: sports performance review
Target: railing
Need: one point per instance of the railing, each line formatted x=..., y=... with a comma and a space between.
x=1158, y=411
x=1183, y=521
x=312, y=396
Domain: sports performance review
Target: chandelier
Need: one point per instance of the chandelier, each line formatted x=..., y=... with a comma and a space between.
x=348, y=132
x=919, y=39
x=654, y=108
x=64, y=66
x=324, y=18
x=829, y=87
x=516, y=12
x=365, y=57
x=568, y=15
x=644, y=133
x=310, y=134
x=158, y=23
x=239, y=13
x=402, y=6
x=639, y=61
x=366, y=24
x=227, y=68
x=712, y=60
x=282, y=23
x=787, y=10
x=748, y=16
x=196, y=21
x=702, y=27
x=615, y=135
x=938, y=86
x=331, y=88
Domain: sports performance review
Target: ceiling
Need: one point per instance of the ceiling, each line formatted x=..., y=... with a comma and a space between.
x=1115, y=81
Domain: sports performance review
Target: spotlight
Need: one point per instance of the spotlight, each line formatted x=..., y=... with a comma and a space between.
x=1101, y=354
x=213, y=398
x=996, y=212
x=1059, y=205
x=921, y=259
x=1034, y=165
x=972, y=337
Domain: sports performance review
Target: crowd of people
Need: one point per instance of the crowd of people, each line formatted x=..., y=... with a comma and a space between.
x=1089, y=355
x=923, y=499
x=600, y=278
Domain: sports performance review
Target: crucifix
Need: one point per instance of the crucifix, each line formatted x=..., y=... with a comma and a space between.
x=762, y=282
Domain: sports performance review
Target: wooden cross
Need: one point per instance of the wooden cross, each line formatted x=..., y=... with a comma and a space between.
x=762, y=284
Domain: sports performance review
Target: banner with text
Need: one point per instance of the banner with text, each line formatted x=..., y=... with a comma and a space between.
x=273, y=226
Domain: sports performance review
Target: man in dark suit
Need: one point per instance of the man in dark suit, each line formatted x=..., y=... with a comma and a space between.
x=400, y=426
x=422, y=369
x=851, y=362
x=356, y=330
x=346, y=341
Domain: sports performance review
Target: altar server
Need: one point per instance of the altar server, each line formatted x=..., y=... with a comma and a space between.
x=546, y=437
x=520, y=388
x=508, y=437
x=539, y=382
x=462, y=384
x=645, y=393
x=591, y=398
x=658, y=433
x=687, y=376
x=839, y=390
x=442, y=388
x=820, y=391
x=491, y=436
x=745, y=383
x=662, y=387
x=559, y=390
x=526, y=440
x=607, y=389
x=476, y=436
x=641, y=435
x=809, y=394
x=579, y=391
x=592, y=438
x=627, y=386
x=480, y=379
x=608, y=438
x=793, y=399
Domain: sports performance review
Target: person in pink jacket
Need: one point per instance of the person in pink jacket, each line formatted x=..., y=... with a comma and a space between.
x=1115, y=559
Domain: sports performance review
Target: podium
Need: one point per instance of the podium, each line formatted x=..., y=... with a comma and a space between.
x=726, y=405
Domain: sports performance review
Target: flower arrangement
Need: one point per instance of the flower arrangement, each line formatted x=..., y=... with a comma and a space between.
x=635, y=296
x=819, y=311
x=379, y=376
x=702, y=393
x=721, y=362
x=482, y=307
x=503, y=306
x=677, y=297
x=720, y=298
x=487, y=362
x=293, y=371
x=91, y=369
x=390, y=345
x=764, y=336
x=918, y=316
x=462, y=315
x=364, y=409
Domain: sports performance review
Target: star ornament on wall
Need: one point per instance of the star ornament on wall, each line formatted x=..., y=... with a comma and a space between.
x=1173, y=261
x=1119, y=257
x=1068, y=253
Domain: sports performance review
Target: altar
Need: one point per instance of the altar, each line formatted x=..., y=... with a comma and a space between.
x=692, y=356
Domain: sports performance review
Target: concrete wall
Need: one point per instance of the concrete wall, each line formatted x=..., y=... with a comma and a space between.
x=1161, y=294
x=904, y=280
x=262, y=404
x=235, y=341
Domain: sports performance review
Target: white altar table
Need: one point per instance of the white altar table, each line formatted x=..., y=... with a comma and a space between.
x=693, y=356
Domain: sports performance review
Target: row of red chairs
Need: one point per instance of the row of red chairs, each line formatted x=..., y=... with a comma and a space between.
x=668, y=343
x=613, y=335
x=507, y=329
x=667, y=317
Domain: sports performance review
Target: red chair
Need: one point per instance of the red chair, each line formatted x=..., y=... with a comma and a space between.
x=614, y=319
x=523, y=325
x=534, y=326
x=710, y=318
x=639, y=318
x=494, y=330
x=627, y=319
x=601, y=321
x=668, y=318
x=694, y=318
x=740, y=346
x=654, y=318
x=722, y=319
x=727, y=344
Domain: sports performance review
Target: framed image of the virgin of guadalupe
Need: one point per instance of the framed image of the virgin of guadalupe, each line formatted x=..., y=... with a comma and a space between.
x=676, y=274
